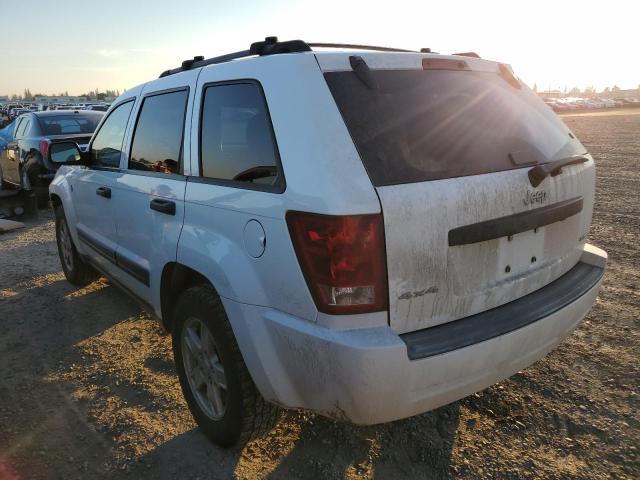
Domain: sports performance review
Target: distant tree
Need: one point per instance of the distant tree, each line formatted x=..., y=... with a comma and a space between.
x=27, y=94
x=615, y=88
x=574, y=92
x=589, y=91
x=606, y=90
x=535, y=87
x=14, y=97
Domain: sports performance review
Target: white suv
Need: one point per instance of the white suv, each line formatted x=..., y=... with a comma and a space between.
x=368, y=234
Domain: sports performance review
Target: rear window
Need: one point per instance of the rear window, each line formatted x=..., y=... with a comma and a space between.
x=69, y=124
x=427, y=125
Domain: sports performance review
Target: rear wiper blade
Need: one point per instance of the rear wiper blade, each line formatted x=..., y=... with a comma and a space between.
x=538, y=173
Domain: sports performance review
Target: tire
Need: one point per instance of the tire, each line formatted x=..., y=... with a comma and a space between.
x=76, y=270
x=241, y=413
x=42, y=197
x=32, y=168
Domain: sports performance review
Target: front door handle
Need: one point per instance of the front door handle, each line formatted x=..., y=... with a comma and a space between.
x=163, y=206
x=104, y=192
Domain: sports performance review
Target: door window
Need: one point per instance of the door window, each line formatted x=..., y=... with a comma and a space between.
x=157, y=140
x=21, y=128
x=236, y=139
x=106, y=148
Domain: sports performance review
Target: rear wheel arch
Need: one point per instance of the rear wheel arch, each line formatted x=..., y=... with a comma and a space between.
x=56, y=201
x=175, y=279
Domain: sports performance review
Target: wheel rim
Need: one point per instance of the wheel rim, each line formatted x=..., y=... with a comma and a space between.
x=66, y=247
x=204, y=368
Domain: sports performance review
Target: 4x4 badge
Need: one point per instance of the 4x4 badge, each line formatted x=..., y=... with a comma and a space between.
x=532, y=198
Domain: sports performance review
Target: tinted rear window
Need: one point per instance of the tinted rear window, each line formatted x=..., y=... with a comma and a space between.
x=427, y=125
x=69, y=124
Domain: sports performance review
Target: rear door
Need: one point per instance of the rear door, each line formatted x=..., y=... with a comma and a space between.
x=150, y=192
x=448, y=144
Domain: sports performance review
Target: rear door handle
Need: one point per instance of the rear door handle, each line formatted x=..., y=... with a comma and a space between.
x=163, y=206
x=104, y=192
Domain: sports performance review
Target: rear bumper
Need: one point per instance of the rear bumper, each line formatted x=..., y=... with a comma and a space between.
x=366, y=376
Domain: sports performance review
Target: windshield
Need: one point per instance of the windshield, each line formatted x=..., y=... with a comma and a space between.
x=423, y=125
x=69, y=124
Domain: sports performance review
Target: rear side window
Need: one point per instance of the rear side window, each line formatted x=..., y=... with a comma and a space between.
x=106, y=148
x=157, y=140
x=432, y=124
x=68, y=124
x=22, y=127
x=236, y=138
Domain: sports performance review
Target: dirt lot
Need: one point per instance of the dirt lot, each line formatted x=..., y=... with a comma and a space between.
x=88, y=388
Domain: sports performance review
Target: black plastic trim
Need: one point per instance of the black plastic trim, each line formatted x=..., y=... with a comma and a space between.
x=104, y=250
x=506, y=318
x=136, y=271
x=145, y=305
x=516, y=223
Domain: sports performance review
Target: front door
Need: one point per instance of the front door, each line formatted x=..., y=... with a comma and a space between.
x=93, y=189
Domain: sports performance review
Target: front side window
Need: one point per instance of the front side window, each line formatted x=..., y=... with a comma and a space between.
x=236, y=139
x=157, y=140
x=107, y=144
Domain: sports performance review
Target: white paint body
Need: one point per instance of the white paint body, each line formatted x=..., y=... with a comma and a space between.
x=352, y=367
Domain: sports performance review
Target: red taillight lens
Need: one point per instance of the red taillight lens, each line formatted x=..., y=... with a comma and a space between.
x=44, y=148
x=343, y=260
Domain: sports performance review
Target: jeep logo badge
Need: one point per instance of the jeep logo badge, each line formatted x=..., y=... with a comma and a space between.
x=532, y=198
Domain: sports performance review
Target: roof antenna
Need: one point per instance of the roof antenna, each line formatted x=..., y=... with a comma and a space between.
x=363, y=72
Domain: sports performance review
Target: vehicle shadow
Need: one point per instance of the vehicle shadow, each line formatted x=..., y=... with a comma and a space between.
x=308, y=446
x=418, y=447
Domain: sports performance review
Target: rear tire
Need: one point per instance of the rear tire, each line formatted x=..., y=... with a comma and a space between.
x=42, y=197
x=220, y=393
x=32, y=168
x=76, y=270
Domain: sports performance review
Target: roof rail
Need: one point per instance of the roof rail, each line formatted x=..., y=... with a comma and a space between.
x=359, y=47
x=467, y=54
x=271, y=46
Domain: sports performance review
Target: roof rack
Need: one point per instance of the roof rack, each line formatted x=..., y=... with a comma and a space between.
x=271, y=46
x=351, y=46
x=467, y=54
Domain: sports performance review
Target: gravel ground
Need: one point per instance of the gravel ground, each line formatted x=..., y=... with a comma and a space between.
x=88, y=388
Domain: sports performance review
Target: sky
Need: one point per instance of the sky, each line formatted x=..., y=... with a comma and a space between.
x=77, y=46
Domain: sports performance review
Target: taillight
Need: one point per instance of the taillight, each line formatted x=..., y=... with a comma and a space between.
x=44, y=148
x=343, y=260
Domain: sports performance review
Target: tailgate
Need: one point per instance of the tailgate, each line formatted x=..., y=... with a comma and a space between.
x=448, y=144
x=436, y=277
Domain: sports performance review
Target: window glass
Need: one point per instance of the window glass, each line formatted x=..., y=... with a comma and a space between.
x=236, y=140
x=107, y=144
x=21, y=128
x=157, y=141
x=69, y=124
x=434, y=124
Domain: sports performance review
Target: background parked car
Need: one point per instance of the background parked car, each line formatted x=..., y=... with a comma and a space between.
x=23, y=163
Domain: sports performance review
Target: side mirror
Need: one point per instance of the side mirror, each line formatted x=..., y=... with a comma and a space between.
x=65, y=153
